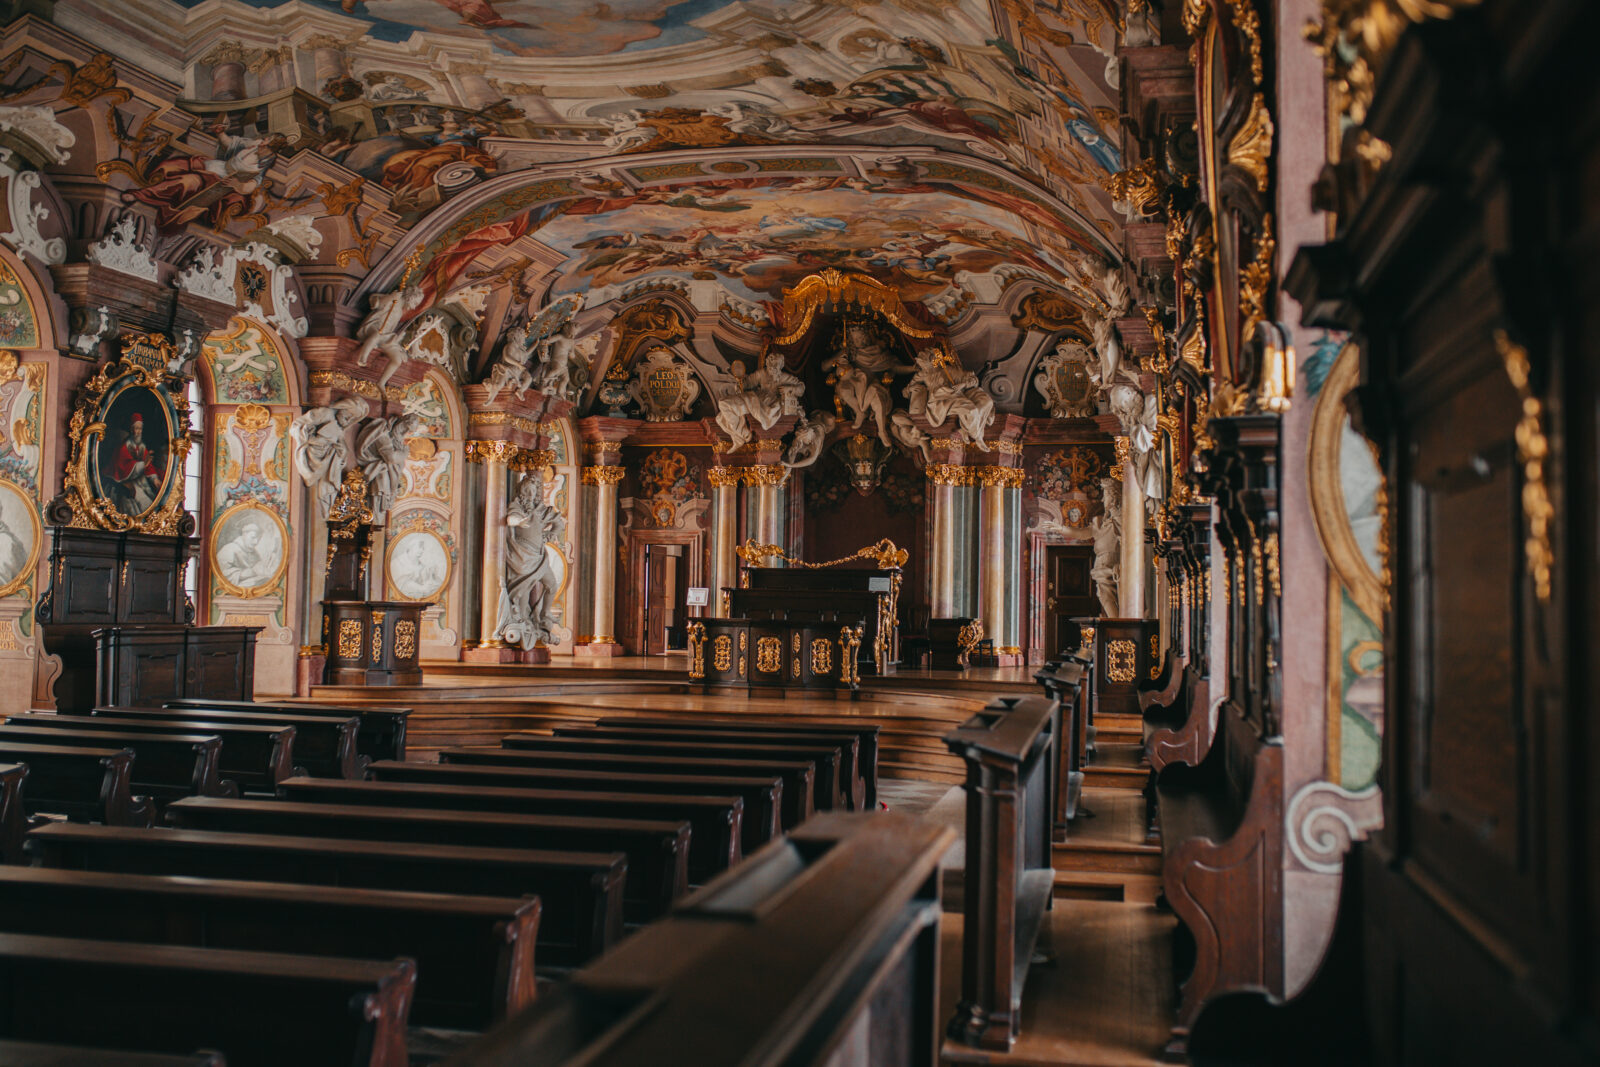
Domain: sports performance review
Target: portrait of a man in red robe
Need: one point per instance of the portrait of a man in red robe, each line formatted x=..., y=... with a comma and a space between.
x=137, y=472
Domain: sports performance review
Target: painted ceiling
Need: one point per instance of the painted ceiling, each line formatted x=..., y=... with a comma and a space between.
x=609, y=141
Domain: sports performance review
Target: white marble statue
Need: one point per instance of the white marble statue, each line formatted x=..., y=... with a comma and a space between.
x=320, y=452
x=381, y=451
x=558, y=359
x=380, y=330
x=1137, y=413
x=942, y=389
x=810, y=434
x=527, y=610
x=1108, y=347
x=513, y=370
x=859, y=393
x=1107, y=530
x=910, y=435
x=762, y=397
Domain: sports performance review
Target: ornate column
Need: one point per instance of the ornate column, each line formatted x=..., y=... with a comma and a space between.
x=601, y=481
x=950, y=562
x=1000, y=576
x=1135, y=556
x=496, y=457
x=767, y=482
x=724, y=532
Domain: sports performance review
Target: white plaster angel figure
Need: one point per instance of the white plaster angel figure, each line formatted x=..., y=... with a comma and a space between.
x=762, y=397
x=526, y=613
x=1107, y=531
x=942, y=388
x=558, y=356
x=1137, y=412
x=513, y=370
x=320, y=452
x=910, y=435
x=1109, y=348
x=859, y=393
x=810, y=434
x=381, y=451
x=380, y=331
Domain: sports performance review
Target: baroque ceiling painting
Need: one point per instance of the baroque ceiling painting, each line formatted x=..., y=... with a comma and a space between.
x=479, y=161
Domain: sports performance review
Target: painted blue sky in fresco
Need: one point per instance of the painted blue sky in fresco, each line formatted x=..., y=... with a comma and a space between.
x=526, y=27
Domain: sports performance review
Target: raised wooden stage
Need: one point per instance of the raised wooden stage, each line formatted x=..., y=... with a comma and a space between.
x=478, y=703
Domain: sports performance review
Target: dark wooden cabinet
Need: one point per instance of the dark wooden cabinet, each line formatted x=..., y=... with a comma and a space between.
x=373, y=642
x=114, y=610
x=145, y=666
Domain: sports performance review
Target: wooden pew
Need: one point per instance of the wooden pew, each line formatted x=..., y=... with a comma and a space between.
x=35, y=1054
x=474, y=955
x=264, y=1009
x=1222, y=842
x=1009, y=750
x=657, y=849
x=825, y=761
x=821, y=949
x=256, y=757
x=166, y=766
x=382, y=734
x=795, y=778
x=324, y=746
x=1062, y=681
x=13, y=819
x=715, y=822
x=817, y=745
x=762, y=796
x=866, y=735
x=84, y=784
x=581, y=892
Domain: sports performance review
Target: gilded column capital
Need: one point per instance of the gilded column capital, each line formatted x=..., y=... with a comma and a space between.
x=722, y=477
x=765, y=474
x=949, y=474
x=999, y=477
x=601, y=449
x=603, y=475
x=492, y=452
x=533, y=459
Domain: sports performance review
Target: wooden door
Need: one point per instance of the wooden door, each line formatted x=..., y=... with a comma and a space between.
x=665, y=594
x=1068, y=592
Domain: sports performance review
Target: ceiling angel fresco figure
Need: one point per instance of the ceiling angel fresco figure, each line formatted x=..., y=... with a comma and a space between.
x=1107, y=530
x=941, y=389
x=380, y=330
x=527, y=609
x=381, y=451
x=320, y=452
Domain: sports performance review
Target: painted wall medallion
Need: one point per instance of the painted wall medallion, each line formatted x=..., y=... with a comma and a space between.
x=249, y=550
x=419, y=565
x=20, y=537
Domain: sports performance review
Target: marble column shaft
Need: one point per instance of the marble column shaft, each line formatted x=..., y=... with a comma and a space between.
x=1000, y=541
x=602, y=482
x=496, y=473
x=724, y=533
x=1135, y=554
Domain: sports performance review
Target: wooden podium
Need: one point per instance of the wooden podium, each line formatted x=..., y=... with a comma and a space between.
x=368, y=642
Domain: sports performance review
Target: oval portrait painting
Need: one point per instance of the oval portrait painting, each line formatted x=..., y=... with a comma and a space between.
x=132, y=466
x=19, y=537
x=419, y=565
x=247, y=550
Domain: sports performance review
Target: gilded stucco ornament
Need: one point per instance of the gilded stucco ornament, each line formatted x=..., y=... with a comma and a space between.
x=128, y=437
x=1251, y=147
x=1533, y=449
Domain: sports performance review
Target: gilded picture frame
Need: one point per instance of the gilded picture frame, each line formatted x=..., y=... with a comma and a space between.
x=230, y=550
x=1335, y=493
x=18, y=561
x=128, y=438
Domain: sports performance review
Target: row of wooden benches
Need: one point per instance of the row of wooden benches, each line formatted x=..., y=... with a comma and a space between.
x=460, y=827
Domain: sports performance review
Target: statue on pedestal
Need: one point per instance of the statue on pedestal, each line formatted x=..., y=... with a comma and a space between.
x=513, y=370
x=381, y=451
x=1107, y=530
x=527, y=610
x=941, y=389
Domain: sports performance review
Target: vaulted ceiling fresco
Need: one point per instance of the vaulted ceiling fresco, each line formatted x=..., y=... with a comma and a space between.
x=546, y=148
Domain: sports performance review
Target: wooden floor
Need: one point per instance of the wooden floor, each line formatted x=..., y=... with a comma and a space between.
x=1105, y=994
